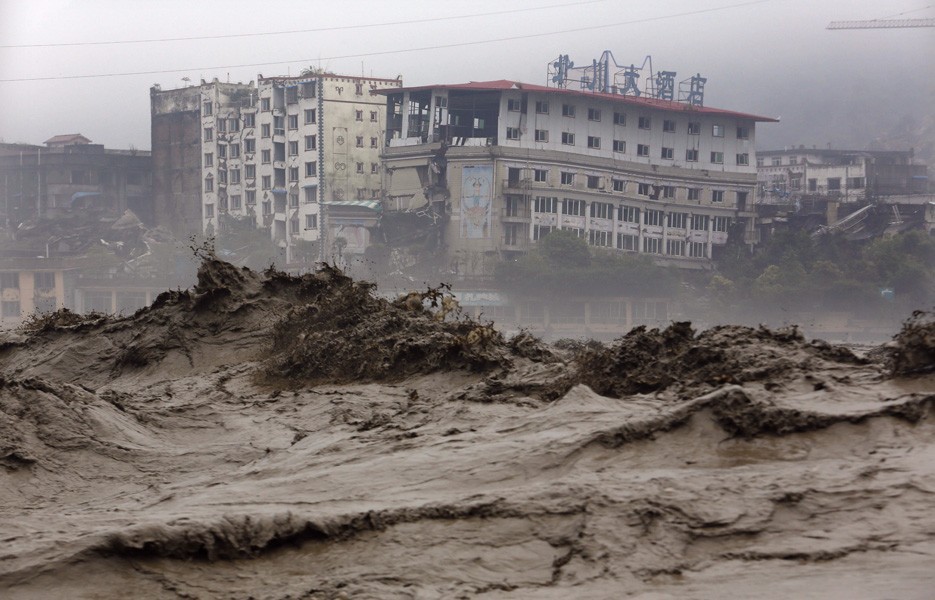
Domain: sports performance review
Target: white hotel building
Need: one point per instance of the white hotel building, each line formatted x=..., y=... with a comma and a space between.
x=503, y=163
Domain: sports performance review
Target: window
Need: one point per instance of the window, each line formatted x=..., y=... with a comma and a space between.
x=265, y=154
x=249, y=120
x=717, y=158
x=743, y=159
x=311, y=221
x=620, y=118
x=675, y=247
x=235, y=150
x=264, y=104
x=209, y=159
x=759, y=162
x=594, y=142
x=311, y=169
x=207, y=109
x=310, y=116
x=292, y=94
x=628, y=214
x=209, y=134
x=573, y=207
x=855, y=183
x=513, y=105
x=602, y=210
x=249, y=171
x=512, y=133
x=360, y=167
x=834, y=184
x=643, y=189
x=293, y=174
x=249, y=145
x=222, y=125
x=358, y=115
x=568, y=138
x=236, y=202
x=264, y=130
x=267, y=182
x=311, y=142
x=374, y=168
x=668, y=126
x=209, y=211
x=694, y=193
x=311, y=194
x=293, y=121
x=540, y=175
x=697, y=250
x=594, y=183
x=513, y=206
x=373, y=116
x=542, y=135
x=9, y=281
x=691, y=155
x=251, y=197
x=360, y=141
x=642, y=150
x=626, y=242
x=568, y=110
x=717, y=130
x=668, y=153
x=619, y=185
x=293, y=148
x=700, y=222
x=540, y=231
x=793, y=160
x=743, y=133
x=652, y=217
x=542, y=107
x=294, y=198
x=267, y=207
x=717, y=195
x=293, y=226
x=278, y=125
x=721, y=223
x=545, y=204
x=359, y=89
x=600, y=238
x=568, y=178
x=645, y=123
x=668, y=191
x=741, y=200
x=677, y=220
x=374, y=142
x=235, y=176
x=652, y=245
x=694, y=128
x=777, y=161
x=209, y=184
x=309, y=89
x=594, y=114
x=620, y=146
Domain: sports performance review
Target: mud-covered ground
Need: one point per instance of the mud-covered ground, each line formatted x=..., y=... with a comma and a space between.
x=263, y=436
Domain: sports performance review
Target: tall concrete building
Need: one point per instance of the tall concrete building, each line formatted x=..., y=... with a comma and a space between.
x=279, y=152
x=503, y=163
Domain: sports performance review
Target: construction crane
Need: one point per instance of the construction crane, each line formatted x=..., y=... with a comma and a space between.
x=881, y=24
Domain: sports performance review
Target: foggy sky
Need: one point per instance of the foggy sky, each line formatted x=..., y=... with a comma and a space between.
x=773, y=58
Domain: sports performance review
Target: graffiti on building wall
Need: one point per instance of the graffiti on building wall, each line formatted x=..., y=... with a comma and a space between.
x=476, y=198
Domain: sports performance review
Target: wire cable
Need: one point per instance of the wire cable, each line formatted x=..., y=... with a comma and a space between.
x=389, y=52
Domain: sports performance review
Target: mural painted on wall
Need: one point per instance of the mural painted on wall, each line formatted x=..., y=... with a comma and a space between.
x=476, y=199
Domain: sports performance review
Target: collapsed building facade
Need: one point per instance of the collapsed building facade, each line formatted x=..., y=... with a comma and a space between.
x=497, y=165
x=276, y=153
x=861, y=193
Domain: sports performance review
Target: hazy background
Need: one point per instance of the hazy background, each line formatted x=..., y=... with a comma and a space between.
x=848, y=88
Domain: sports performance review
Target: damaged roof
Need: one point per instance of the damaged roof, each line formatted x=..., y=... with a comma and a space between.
x=640, y=101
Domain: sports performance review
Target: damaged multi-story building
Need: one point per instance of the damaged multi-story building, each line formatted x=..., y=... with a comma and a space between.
x=497, y=165
x=279, y=152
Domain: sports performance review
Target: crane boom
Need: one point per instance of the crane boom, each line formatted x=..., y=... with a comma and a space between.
x=881, y=24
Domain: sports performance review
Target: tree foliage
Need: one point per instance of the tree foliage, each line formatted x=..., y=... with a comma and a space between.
x=564, y=265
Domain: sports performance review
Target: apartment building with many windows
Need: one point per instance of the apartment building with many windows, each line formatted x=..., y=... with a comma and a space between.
x=280, y=152
x=507, y=162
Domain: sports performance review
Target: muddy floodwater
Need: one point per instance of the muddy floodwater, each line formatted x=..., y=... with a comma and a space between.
x=270, y=437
